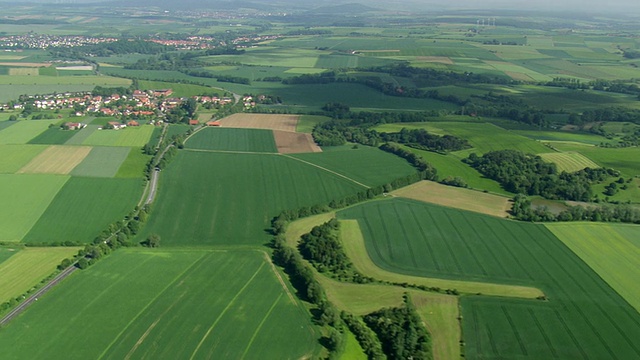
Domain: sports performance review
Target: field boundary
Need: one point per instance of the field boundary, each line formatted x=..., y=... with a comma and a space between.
x=327, y=170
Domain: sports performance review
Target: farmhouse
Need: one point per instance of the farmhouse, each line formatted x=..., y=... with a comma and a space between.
x=73, y=126
x=133, y=123
x=213, y=123
x=115, y=125
x=193, y=122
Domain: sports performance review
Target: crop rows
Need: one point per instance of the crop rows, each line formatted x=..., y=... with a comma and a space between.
x=583, y=315
x=168, y=312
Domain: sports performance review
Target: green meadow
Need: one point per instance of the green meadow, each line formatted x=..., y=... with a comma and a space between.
x=129, y=136
x=23, y=131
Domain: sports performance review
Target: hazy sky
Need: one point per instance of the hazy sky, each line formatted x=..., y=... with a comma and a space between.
x=575, y=5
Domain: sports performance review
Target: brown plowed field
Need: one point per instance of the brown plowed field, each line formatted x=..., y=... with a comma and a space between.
x=261, y=121
x=294, y=143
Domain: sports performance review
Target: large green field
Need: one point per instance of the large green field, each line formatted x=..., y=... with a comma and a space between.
x=582, y=315
x=221, y=198
x=129, y=136
x=223, y=139
x=83, y=208
x=168, y=311
x=24, y=199
x=612, y=250
x=28, y=267
x=366, y=165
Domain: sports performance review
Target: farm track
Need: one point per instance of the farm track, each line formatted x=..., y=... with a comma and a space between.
x=327, y=170
x=23, y=306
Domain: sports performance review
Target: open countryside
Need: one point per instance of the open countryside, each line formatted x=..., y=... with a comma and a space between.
x=340, y=180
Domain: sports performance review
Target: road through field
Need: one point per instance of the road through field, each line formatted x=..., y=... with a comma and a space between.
x=20, y=308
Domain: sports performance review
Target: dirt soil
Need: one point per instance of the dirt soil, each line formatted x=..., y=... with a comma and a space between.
x=294, y=143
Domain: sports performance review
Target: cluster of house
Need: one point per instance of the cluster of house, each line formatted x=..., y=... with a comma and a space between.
x=43, y=41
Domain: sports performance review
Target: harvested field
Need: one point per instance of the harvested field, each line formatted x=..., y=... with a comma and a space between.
x=57, y=159
x=459, y=198
x=294, y=143
x=261, y=121
x=24, y=71
x=570, y=161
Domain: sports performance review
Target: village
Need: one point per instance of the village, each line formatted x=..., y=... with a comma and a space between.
x=152, y=106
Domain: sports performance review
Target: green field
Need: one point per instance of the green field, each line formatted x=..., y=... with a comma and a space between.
x=168, y=311
x=23, y=131
x=612, y=250
x=583, y=315
x=366, y=165
x=14, y=157
x=28, y=267
x=219, y=198
x=83, y=208
x=624, y=160
x=82, y=135
x=307, y=122
x=225, y=139
x=133, y=166
x=53, y=136
x=129, y=136
x=24, y=199
x=102, y=162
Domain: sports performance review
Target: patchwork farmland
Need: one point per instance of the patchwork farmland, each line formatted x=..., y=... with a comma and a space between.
x=582, y=315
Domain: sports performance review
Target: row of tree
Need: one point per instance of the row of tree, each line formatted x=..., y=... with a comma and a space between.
x=524, y=211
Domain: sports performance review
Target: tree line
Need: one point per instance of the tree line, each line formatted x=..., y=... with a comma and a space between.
x=524, y=211
x=528, y=174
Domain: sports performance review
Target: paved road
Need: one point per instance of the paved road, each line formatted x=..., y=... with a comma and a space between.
x=153, y=186
x=34, y=297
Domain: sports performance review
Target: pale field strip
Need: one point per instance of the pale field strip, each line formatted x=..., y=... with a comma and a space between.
x=79, y=67
x=570, y=161
x=455, y=197
x=26, y=71
x=261, y=121
x=25, y=64
x=294, y=143
x=56, y=159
